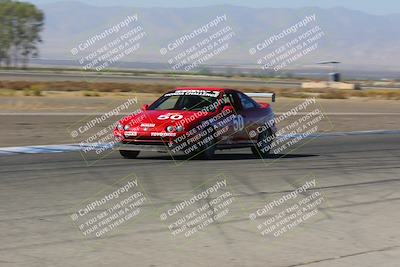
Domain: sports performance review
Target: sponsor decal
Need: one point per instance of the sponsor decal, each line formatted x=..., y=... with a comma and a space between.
x=163, y=134
x=194, y=92
x=147, y=125
x=129, y=133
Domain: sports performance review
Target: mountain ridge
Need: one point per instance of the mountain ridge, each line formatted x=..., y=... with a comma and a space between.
x=351, y=36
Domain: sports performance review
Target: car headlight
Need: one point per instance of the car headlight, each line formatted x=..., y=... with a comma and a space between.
x=179, y=128
x=170, y=129
x=126, y=127
x=120, y=127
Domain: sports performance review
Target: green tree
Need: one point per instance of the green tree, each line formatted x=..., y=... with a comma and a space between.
x=5, y=32
x=20, y=27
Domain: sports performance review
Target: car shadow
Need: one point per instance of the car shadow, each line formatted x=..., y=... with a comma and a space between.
x=230, y=156
x=235, y=156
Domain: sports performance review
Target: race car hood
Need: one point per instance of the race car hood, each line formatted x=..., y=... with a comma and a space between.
x=158, y=120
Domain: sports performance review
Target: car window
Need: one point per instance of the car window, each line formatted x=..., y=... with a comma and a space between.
x=185, y=102
x=168, y=103
x=230, y=99
x=247, y=102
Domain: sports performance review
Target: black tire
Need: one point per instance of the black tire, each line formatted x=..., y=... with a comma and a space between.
x=128, y=154
x=207, y=151
x=264, y=150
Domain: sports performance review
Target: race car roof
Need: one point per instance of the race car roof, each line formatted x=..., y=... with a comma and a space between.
x=200, y=88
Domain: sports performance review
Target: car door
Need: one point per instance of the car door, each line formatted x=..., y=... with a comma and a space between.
x=249, y=114
x=236, y=125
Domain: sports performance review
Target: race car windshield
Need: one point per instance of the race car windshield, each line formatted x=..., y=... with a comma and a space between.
x=185, y=102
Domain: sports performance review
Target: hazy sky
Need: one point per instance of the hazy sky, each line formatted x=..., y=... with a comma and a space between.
x=369, y=6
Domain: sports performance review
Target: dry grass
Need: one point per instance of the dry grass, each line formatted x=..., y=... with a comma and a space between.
x=7, y=92
x=8, y=88
x=85, y=86
x=334, y=95
x=378, y=94
x=33, y=90
x=90, y=93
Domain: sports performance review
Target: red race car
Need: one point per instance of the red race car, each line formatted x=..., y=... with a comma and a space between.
x=198, y=121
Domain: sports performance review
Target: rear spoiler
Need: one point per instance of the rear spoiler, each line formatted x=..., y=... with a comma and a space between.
x=269, y=95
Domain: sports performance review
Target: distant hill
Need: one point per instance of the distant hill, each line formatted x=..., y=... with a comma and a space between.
x=355, y=38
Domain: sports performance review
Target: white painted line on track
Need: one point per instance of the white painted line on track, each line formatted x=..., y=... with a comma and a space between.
x=47, y=149
x=334, y=134
x=63, y=148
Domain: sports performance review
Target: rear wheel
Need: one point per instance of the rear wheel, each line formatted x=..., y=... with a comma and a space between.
x=128, y=154
x=263, y=147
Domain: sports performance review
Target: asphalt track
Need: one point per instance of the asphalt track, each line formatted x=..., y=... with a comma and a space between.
x=357, y=225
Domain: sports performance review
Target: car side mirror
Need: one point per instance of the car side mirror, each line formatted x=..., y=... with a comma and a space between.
x=145, y=107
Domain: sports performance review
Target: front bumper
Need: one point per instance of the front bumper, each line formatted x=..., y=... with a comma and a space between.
x=134, y=147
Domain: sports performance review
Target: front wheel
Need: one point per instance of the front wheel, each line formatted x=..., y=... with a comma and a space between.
x=263, y=147
x=208, y=152
x=208, y=149
x=128, y=154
